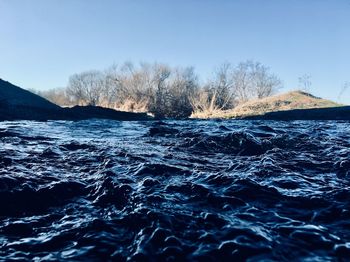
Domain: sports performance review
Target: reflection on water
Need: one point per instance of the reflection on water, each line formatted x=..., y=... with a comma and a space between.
x=189, y=190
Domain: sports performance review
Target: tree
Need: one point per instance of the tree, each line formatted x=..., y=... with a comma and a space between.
x=86, y=88
x=265, y=84
x=57, y=96
x=170, y=91
x=157, y=88
x=204, y=101
x=242, y=81
x=220, y=89
x=217, y=93
x=233, y=85
x=183, y=86
x=253, y=80
x=111, y=87
x=305, y=82
x=160, y=97
x=345, y=87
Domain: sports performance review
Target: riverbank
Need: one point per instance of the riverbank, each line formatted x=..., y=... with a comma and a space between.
x=287, y=106
x=19, y=104
x=333, y=113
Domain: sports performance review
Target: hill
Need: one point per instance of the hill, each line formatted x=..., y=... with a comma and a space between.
x=13, y=96
x=295, y=100
x=19, y=104
x=288, y=101
x=327, y=113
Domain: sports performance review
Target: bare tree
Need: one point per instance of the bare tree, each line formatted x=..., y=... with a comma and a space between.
x=135, y=85
x=183, y=86
x=253, y=80
x=170, y=91
x=305, y=82
x=233, y=85
x=242, y=81
x=57, y=96
x=345, y=87
x=217, y=93
x=205, y=101
x=111, y=87
x=159, y=99
x=265, y=83
x=220, y=91
x=86, y=88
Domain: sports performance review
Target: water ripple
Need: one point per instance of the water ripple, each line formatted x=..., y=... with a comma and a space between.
x=175, y=190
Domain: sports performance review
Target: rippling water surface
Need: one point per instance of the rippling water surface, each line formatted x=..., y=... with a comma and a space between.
x=177, y=190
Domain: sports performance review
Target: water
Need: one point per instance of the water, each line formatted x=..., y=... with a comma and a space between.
x=176, y=190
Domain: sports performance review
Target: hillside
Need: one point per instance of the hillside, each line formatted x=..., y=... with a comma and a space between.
x=14, y=96
x=288, y=101
x=283, y=102
x=19, y=104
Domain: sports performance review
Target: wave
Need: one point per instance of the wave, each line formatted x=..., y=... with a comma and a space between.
x=174, y=190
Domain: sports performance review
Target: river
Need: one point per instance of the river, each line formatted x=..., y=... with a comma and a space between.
x=102, y=190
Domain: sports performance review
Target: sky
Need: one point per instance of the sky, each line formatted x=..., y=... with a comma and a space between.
x=43, y=42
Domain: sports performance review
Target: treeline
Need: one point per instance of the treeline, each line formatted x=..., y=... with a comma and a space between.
x=166, y=91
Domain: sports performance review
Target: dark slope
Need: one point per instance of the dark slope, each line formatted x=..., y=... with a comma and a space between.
x=86, y=112
x=12, y=96
x=331, y=113
x=19, y=104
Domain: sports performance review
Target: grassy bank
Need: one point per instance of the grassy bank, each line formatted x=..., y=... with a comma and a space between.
x=283, y=102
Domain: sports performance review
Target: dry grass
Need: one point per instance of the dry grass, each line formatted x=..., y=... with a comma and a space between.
x=131, y=106
x=288, y=101
x=207, y=114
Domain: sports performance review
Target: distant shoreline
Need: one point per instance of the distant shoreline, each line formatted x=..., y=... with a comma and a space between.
x=19, y=104
x=88, y=112
x=331, y=113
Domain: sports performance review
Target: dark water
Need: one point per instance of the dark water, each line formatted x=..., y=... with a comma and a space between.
x=190, y=190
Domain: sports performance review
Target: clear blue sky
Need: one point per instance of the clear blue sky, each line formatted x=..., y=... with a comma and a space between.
x=42, y=42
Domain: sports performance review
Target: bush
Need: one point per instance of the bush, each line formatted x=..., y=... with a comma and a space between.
x=164, y=91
